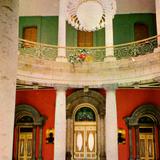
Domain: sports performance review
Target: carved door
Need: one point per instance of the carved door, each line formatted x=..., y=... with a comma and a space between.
x=85, y=141
x=25, y=146
x=146, y=146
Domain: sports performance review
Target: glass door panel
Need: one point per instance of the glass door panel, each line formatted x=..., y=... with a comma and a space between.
x=146, y=146
x=25, y=146
x=85, y=141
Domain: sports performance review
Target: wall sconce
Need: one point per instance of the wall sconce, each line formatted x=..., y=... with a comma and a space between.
x=121, y=136
x=50, y=136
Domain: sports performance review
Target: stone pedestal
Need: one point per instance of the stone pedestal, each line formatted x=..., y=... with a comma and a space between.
x=8, y=63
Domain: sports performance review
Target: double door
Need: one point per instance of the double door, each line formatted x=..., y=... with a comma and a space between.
x=25, y=146
x=85, y=141
x=146, y=146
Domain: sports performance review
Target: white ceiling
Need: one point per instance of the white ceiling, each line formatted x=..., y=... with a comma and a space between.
x=50, y=7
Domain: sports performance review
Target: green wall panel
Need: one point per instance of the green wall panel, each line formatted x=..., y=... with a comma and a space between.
x=123, y=26
x=71, y=35
x=123, y=29
x=99, y=38
x=47, y=28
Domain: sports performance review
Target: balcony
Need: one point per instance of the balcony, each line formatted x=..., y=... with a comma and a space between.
x=133, y=64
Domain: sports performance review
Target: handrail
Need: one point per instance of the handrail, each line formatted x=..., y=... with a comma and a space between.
x=125, y=50
x=113, y=46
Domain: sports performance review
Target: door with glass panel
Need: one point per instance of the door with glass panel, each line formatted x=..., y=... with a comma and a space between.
x=25, y=144
x=146, y=143
x=85, y=135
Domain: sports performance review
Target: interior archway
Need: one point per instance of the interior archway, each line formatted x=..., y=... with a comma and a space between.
x=145, y=121
x=27, y=121
x=93, y=127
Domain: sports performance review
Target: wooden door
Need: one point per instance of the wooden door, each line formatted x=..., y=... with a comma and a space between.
x=146, y=146
x=85, y=141
x=85, y=39
x=25, y=146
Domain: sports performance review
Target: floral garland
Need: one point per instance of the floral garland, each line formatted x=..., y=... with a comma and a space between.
x=81, y=56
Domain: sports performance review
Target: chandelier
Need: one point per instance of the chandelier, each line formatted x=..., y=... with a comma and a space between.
x=86, y=15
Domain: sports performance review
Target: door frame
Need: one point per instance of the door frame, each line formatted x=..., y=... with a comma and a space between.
x=37, y=124
x=152, y=112
x=97, y=102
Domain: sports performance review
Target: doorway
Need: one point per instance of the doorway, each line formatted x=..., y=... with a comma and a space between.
x=25, y=144
x=143, y=126
x=146, y=143
x=28, y=122
x=85, y=134
x=85, y=126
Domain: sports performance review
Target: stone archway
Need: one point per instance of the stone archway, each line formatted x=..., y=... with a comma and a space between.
x=96, y=100
x=145, y=117
x=27, y=122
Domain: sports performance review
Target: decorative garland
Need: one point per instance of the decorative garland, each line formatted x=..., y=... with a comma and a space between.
x=80, y=57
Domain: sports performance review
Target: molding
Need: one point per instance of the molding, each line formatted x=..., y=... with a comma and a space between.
x=95, y=75
x=79, y=97
x=144, y=110
x=27, y=110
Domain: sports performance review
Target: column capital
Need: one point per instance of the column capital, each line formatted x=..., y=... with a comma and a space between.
x=61, y=87
x=109, y=87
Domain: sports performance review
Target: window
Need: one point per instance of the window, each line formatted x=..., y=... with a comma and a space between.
x=85, y=39
x=140, y=31
x=85, y=114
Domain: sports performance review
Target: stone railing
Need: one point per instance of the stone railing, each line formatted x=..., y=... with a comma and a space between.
x=95, y=54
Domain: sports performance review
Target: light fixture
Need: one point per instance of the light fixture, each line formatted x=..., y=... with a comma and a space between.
x=89, y=15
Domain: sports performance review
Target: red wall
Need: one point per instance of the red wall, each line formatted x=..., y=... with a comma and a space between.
x=44, y=102
x=127, y=101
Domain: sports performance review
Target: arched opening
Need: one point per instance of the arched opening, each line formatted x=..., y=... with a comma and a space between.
x=85, y=125
x=85, y=132
x=27, y=122
x=145, y=122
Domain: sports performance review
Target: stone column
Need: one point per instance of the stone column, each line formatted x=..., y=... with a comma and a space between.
x=8, y=67
x=111, y=124
x=60, y=125
x=109, y=38
x=157, y=4
x=62, y=32
x=110, y=11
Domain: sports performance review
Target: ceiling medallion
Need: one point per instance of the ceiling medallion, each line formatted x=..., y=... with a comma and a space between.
x=86, y=15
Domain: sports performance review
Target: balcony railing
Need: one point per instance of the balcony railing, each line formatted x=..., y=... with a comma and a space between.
x=95, y=54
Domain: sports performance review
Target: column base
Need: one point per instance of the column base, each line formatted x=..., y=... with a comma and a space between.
x=156, y=50
x=61, y=59
x=102, y=156
x=109, y=58
x=68, y=156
